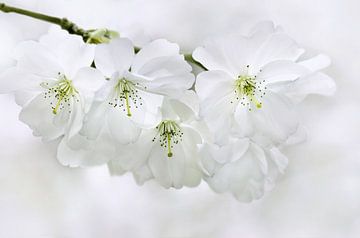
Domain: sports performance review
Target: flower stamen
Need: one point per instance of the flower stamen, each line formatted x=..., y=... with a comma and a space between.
x=248, y=90
x=126, y=92
x=169, y=133
x=127, y=103
x=62, y=91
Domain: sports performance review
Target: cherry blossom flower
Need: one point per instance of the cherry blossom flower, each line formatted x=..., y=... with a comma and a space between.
x=136, y=87
x=244, y=92
x=242, y=168
x=53, y=83
x=168, y=151
x=129, y=101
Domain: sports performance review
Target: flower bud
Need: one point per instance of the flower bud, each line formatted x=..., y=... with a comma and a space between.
x=102, y=35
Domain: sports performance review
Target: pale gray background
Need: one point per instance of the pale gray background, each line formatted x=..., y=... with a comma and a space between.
x=319, y=196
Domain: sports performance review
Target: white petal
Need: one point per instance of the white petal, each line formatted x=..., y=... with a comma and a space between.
x=132, y=157
x=212, y=86
x=299, y=89
x=115, y=168
x=248, y=179
x=279, y=159
x=278, y=47
x=260, y=156
x=280, y=71
x=95, y=120
x=15, y=79
x=37, y=59
x=192, y=141
x=90, y=153
x=229, y=152
x=228, y=53
x=168, y=112
x=38, y=115
x=24, y=97
x=142, y=174
x=219, y=118
x=89, y=79
x=76, y=118
x=244, y=174
x=207, y=82
x=187, y=108
x=262, y=29
x=317, y=83
x=169, y=172
x=277, y=119
x=191, y=100
x=122, y=128
x=298, y=137
x=70, y=50
x=243, y=126
x=62, y=117
x=171, y=86
x=114, y=56
x=316, y=63
x=168, y=75
x=158, y=163
x=153, y=50
x=165, y=66
x=220, y=181
x=192, y=177
x=148, y=114
x=208, y=162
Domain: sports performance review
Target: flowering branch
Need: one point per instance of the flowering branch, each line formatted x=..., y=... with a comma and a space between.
x=147, y=118
x=64, y=23
x=72, y=28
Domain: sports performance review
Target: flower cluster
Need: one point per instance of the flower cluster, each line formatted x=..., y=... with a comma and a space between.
x=146, y=112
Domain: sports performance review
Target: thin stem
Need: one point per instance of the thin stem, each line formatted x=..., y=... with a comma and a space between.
x=64, y=23
x=71, y=27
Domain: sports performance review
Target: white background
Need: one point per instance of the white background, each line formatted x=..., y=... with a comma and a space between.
x=319, y=196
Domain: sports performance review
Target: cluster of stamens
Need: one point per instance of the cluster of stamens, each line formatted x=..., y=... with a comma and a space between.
x=60, y=93
x=126, y=92
x=249, y=90
x=169, y=134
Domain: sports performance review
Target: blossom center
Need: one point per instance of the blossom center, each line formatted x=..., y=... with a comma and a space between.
x=169, y=133
x=61, y=92
x=249, y=91
x=126, y=94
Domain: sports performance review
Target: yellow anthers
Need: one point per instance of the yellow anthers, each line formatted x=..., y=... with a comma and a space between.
x=125, y=93
x=245, y=85
x=249, y=90
x=100, y=36
x=169, y=133
x=60, y=93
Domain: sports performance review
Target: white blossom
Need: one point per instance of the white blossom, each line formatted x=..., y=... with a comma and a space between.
x=137, y=85
x=168, y=151
x=129, y=101
x=244, y=92
x=242, y=168
x=53, y=83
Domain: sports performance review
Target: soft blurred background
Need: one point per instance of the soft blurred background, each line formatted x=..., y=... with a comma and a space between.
x=319, y=195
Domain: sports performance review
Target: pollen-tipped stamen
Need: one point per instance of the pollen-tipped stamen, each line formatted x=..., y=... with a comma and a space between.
x=61, y=91
x=56, y=108
x=126, y=92
x=247, y=90
x=169, y=134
